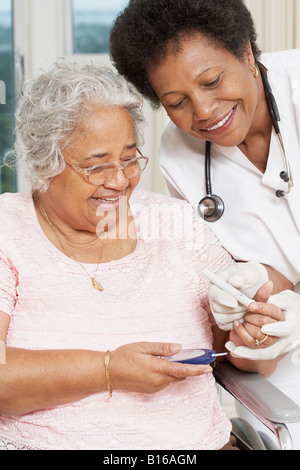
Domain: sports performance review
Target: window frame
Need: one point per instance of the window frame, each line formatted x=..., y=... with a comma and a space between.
x=8, y=175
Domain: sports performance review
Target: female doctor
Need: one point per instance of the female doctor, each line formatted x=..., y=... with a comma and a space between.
x=232, y=148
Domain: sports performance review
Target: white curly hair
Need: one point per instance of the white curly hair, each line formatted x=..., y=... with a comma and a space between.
x=51, y=106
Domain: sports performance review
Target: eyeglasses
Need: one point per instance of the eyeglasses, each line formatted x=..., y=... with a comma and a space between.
x=100, y=174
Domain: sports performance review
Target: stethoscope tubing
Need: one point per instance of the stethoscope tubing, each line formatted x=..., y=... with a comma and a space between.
x=212, y=207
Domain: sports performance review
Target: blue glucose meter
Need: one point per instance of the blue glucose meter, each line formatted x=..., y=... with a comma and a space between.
x=195, y=356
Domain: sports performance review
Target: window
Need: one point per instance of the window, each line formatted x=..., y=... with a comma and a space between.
x=7, y=94
x=92, y=22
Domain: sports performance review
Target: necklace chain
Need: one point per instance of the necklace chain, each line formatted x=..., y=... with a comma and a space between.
x=95, y=283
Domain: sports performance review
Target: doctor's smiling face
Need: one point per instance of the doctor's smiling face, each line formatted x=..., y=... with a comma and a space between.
x=208, y=92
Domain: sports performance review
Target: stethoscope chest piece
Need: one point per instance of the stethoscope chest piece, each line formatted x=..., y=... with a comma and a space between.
x=211, y=208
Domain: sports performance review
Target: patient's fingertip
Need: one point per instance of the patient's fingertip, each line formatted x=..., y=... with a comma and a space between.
x=175, y=348
x=253, y=307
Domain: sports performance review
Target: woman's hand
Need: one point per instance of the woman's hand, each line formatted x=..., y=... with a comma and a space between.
x=249, y=333
x=283, y=334
x=138, y=367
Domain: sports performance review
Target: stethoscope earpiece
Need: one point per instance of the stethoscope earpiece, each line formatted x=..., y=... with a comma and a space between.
x=279, y=193
x=284, y=176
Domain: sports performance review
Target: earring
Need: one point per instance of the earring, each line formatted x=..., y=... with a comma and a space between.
x=255, y=71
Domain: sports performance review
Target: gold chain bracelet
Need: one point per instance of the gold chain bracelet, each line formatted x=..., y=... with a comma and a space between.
x=106, y=363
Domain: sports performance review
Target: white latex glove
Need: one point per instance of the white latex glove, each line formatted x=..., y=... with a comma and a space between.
x=287, y=331
x=248, y=278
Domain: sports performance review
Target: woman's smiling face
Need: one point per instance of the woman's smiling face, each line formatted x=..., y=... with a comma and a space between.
x=106, y=134
x=207, y=91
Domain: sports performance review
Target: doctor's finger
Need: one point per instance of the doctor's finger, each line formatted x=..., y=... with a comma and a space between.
x=253, y=354
x=279, y=329
x=217, y=295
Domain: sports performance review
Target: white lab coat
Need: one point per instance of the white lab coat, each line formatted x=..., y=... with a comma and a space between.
x=256, y=225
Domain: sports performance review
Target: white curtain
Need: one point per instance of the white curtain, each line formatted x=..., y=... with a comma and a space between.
x=277, y=23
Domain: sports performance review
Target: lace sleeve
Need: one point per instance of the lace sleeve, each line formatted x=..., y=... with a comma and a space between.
x=208, y=247
x=8, y=284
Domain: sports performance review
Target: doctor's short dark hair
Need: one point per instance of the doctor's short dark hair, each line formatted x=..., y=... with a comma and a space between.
x=144, y=30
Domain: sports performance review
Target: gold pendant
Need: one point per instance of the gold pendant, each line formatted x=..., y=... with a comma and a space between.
x=96, y=285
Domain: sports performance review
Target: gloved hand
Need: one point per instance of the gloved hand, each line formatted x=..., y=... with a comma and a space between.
x=287, y=331
x=248, y=278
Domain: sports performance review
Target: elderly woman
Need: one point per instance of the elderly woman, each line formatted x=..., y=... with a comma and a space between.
x=97, y=283
x=233, y=141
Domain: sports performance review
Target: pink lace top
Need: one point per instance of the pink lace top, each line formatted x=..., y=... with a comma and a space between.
x=157, y=293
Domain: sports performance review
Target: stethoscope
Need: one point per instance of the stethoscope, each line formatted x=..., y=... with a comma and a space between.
x=211, y=207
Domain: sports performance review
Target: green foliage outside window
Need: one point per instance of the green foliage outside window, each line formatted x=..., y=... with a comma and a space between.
x=92, y=22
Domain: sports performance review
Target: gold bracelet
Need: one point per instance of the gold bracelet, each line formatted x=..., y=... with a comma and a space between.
x=106, y=363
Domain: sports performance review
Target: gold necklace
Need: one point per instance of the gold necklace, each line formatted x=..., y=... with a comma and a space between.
x=95, y=283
